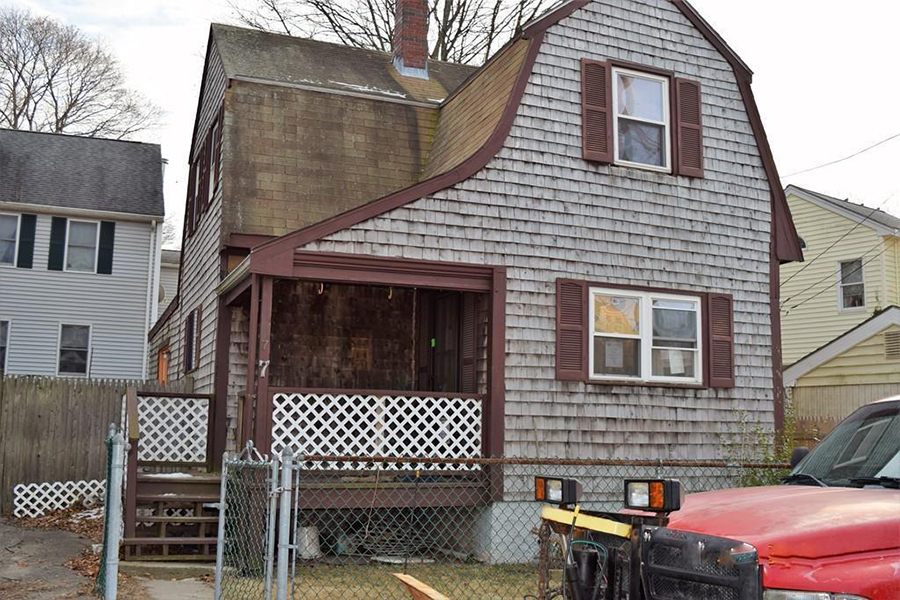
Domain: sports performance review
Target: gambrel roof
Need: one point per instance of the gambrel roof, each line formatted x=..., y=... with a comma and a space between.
x=878, y=220
x=83, y=173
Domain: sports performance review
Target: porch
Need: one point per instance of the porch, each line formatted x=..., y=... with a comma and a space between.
x=367, y=357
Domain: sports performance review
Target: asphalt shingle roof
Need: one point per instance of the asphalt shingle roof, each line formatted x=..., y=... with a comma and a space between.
x=81, y=173
x=293, y=60
x=879, y=216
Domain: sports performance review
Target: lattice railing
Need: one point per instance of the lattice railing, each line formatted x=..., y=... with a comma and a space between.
x=38, y=499
x=358, y=424
x=172, y=428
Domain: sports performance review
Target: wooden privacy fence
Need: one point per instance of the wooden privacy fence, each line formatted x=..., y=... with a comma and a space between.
x=819, y=409
x=54, y=429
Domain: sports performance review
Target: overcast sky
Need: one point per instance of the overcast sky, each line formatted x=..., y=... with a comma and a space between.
x=822, y=79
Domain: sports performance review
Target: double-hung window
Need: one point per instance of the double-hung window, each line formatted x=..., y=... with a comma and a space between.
x=641, y=119
x=74, y=349
x=4, y=345
x=9, y=234
x=852, y=289
x=645, y=336
x=81, y=248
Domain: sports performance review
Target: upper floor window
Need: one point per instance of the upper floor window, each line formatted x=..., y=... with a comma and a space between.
x=641, y=119
x=644, y=336
x=9, y=235
x=4, y=345
x=852, y=289
x=81, y=248
x=74, y=349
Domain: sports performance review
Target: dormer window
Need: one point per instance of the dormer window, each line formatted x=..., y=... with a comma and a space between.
x=641, y=120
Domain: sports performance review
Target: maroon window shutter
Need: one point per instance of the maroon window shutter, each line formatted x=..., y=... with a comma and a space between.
x=197, y=335
x=467, y=346
x=571, y=330
x=720, y=321
x=688, y=124
x=204, y=184
x=189, y=210
x=596, y=111
x=188, y=342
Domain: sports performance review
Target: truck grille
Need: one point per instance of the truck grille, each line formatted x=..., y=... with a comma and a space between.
x=679, y=565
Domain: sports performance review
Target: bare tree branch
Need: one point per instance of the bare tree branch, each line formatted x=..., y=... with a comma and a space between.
x=463, y=31
x=54, y=78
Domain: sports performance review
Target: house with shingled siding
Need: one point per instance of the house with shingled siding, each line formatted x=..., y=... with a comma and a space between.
x=572, y=250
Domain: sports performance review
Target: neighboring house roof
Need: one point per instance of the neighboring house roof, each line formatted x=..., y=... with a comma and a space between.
x=882, y=222
x=872, y=326
x=170, y=258
x=82, y=173
x=276, y=58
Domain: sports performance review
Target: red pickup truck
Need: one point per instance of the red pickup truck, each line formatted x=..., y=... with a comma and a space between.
x=832, y=532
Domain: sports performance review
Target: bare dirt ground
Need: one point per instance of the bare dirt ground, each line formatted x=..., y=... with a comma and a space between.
x=33, y=565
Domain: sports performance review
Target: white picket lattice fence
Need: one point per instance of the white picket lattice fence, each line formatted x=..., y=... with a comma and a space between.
x=38, y=499
x=376, y=425
x=173, y=429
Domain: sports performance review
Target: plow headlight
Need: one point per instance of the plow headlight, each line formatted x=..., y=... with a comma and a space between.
x=557, y=491
x=654, y=495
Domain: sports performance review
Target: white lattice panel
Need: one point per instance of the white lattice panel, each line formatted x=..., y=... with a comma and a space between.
x=173, y=429
x=367, y=425
x=38, y=499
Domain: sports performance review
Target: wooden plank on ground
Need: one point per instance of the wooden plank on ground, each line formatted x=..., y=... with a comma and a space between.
x=418, y=590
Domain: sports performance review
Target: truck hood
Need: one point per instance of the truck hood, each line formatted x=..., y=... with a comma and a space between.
x=797, y=521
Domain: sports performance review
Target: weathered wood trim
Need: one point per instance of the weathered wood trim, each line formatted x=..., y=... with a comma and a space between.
x=235, y=293
x=496, y=424
x=263, y=399
x=218, y=423
x=248, y=413
x=347, y=391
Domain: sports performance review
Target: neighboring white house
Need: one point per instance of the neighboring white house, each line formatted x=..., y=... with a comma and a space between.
x=168, y=278
x=80, y=231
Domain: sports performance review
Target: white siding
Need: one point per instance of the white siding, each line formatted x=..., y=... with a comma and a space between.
x=37, y=301
x=543, y=212
x=168, y=279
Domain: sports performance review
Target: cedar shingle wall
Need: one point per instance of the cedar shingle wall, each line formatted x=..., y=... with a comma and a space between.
x=543, y=212
x=350, y=336
x=295, y=157
x=470, y=117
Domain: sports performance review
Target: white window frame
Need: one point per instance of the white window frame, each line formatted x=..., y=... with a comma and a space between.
x=90, y=350
x=841, y=284
x=666, y=123
x=646, y=299
x=6, y=342
x=69, y=241
x=15, y=241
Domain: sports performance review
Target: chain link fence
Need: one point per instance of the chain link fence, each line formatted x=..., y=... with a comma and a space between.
x=471, y=533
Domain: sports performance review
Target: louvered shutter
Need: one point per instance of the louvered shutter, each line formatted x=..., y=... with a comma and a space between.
x=57, y=255
x=189, y=343
x=596, y=111
x=198, y=333
x=107, y=242
x=720, y=323
x=571, y=330
x=192, y=187
x=688, y=128
x=204, y=174
x=25, y=258
x=468, y=335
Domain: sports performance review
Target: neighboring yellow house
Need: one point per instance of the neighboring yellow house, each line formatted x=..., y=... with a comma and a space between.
x=840, y=316
x=852, y=270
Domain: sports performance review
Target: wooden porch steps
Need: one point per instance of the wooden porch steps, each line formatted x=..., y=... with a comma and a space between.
x=168, y=541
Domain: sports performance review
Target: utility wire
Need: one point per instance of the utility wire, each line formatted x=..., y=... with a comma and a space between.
x=834, y=162
x=873, y=211
x=828, y=287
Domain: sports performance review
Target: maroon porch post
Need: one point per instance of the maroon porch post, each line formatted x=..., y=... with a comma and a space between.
x=247, y=418
x=263, y=402
x=219, y=421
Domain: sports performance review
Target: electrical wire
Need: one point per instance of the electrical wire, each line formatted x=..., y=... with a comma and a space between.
x=872, y=212
x=825, y=289
x=840, y=160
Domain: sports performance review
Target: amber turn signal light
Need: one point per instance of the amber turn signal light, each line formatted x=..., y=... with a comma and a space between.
x=654, y=495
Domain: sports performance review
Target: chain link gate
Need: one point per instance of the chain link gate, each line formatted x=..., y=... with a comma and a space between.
x=247, y=511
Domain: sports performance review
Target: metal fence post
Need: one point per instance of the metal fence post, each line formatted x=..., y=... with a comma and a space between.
x=220, y=536
x=270, y=529
x=114, y=512
x=284, y=522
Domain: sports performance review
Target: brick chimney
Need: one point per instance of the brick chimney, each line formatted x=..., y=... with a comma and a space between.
x=411, y=38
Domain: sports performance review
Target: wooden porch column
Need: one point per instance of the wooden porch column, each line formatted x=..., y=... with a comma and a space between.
x=263, y=402
x=220, y=400
x=247, y=420
x=497, y=367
